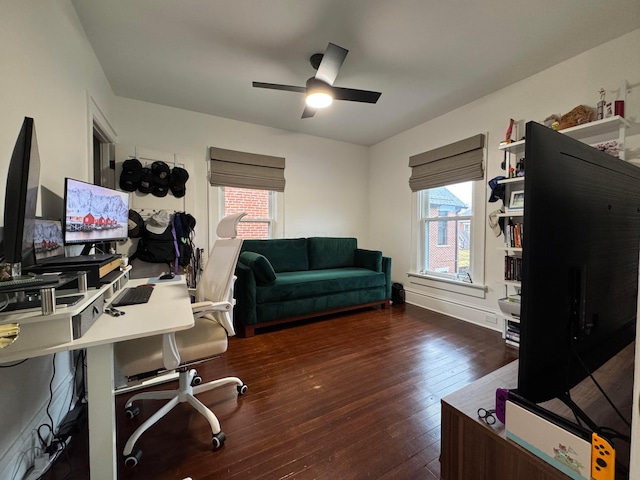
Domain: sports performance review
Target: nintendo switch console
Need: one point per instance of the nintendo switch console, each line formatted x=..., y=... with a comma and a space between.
x=574, y=450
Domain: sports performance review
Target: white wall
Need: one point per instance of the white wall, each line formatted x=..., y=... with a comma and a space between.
x=556, y=90
x=48, y=69
x=327, y=181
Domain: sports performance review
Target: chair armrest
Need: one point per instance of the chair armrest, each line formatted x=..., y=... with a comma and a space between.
x=200, y=309
x=224, y=309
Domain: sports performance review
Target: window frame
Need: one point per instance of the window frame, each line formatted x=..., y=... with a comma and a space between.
x=276, y=208
x=476, y=243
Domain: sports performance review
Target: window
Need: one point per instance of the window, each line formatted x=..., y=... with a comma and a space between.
x=251, y=183
x=259, y=205
x=448, y=182
x=446, y=220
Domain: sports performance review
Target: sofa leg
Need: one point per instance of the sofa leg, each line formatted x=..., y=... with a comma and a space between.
x=247, y=331
x=386, y=304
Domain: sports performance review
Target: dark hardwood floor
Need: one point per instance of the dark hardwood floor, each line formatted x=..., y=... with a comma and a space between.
x=352, y=396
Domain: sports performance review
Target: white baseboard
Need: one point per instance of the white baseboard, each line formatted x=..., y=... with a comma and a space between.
x=461, y=310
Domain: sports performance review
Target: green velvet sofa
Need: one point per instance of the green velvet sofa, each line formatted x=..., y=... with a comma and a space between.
x=289, y=279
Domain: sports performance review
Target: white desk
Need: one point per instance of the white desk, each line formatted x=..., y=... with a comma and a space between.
x=168, y=310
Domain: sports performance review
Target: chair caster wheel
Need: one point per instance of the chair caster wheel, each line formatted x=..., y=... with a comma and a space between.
x=197, y=380
x=242, y=389
x=131, y=412
x=133, y=458
x=218, y=440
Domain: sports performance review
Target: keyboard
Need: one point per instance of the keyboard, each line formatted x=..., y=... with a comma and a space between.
x=133, y=296
x=26, y=282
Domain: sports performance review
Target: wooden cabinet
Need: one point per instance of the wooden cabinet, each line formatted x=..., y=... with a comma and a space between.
x=471, y=449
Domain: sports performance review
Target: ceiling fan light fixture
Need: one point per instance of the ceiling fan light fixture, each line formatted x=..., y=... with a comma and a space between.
x=318, y=93
x=319, y=100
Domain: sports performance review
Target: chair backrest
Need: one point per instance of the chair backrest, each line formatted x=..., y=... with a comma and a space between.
x=217, y=279
x=228, y=226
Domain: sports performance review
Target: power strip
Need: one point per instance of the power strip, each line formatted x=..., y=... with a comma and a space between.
x=43, y=462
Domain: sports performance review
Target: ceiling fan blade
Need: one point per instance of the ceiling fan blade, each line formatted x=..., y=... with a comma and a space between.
x=308, y=112
x=277, y=86
x=331, y=62
x=352, y=95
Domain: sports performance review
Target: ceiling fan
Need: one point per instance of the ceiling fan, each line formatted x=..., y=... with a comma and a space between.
x=319, y=90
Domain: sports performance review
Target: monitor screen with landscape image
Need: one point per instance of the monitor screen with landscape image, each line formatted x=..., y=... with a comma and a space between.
x=48, y=241
x=94, y=214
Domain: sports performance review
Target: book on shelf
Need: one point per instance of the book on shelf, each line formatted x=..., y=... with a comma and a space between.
x=513, y=235
x=512, y=268
x=511, y=335
x=512, y=343
x=516, y=231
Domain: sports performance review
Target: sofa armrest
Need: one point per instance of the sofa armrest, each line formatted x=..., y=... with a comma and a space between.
x=386, y=268
x=371, y=259
x=262, y=268
x=244, y=312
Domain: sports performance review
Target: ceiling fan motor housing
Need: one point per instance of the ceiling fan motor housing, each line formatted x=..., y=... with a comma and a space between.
x=315, y=60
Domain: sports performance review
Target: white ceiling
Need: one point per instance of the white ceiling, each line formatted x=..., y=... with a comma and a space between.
x=427, y=57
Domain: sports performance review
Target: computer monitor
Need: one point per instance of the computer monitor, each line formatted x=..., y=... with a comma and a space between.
x=94, y=214
x=48, y=240
x=21, y=195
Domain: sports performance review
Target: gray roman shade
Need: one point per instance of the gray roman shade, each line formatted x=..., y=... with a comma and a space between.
x=454, y=163
x=230, y=168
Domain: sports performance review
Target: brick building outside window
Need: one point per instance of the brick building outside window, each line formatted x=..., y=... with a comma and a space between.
x=259, y=207
x=447, y=231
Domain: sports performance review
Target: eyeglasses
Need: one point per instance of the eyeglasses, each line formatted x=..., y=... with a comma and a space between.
x=487, y=416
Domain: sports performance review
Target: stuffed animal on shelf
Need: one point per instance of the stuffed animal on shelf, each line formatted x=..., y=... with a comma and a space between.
x=579, y=115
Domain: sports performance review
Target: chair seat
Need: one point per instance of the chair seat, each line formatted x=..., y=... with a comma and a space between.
x=207, y=338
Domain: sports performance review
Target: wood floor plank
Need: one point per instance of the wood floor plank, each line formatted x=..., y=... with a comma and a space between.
x=352, y=396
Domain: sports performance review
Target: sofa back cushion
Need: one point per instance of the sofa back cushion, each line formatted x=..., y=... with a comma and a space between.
x=284, y=254
x=331, y=252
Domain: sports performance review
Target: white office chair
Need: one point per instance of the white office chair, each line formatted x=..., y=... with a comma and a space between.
x=213, y=312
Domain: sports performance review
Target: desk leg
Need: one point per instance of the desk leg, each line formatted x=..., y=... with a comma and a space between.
x=102, y=415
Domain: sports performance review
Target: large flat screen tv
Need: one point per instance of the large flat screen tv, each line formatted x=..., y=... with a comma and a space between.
x=579, y=262
x=20, y=198
x=94, y=214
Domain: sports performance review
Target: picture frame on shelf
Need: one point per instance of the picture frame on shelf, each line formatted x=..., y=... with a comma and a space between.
x=516, y=202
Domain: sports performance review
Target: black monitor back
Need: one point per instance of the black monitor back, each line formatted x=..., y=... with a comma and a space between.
x=580, y=261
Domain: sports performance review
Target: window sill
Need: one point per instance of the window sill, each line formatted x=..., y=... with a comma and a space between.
x=446, y=284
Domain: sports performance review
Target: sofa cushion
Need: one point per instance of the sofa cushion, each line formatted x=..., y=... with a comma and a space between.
x=262, y=268
x=371, y=259
x=301, y=285
x=284, y=254
x=331, y=252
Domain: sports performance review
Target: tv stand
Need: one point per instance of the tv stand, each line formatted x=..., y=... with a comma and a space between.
x=472, y=449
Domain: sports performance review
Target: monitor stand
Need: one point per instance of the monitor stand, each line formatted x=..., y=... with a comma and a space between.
x=103, y=247
x=86, y=250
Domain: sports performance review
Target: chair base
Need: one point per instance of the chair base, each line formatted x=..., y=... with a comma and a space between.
x=189, y=386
